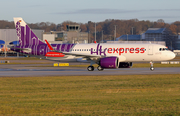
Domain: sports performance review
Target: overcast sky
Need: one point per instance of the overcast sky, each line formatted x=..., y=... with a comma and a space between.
x=82, y=11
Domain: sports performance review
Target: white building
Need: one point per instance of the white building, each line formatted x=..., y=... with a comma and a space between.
x=9, y=35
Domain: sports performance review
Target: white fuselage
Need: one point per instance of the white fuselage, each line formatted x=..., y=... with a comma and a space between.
x=125, y=52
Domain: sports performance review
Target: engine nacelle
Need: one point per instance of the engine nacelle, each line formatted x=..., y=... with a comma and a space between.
x=109, y=62
x=125, y=64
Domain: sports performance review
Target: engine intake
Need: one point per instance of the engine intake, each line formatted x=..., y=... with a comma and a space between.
x=109, y=62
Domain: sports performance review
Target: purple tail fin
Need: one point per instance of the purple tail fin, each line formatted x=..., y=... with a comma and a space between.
x=25, y=35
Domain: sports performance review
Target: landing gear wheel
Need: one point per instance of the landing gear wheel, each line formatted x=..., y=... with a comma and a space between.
x=90, y=68
x=100, y=68
x=151, y=68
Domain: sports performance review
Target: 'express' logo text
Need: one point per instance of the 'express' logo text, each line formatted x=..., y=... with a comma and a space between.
x=100, y=51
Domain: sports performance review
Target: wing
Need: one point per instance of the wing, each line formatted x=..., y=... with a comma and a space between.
x=14, y=47
x=74, y=54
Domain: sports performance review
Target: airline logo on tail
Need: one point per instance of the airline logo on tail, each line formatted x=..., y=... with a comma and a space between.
x=25, y=35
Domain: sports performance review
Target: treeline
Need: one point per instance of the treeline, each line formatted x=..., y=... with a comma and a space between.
x=133, y=26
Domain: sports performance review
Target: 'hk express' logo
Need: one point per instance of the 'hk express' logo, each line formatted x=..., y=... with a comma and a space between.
x=100, y=51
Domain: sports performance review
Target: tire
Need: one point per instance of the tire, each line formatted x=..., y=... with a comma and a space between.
x=90, y=68
x=151, y=68
x=100, y=68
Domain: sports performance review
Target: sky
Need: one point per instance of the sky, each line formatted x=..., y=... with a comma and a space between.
x=82, y=11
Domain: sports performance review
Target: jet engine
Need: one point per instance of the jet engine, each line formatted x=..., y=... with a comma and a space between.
x=109, y=62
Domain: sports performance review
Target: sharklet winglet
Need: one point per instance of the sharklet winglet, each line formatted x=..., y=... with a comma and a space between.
x=49, y=46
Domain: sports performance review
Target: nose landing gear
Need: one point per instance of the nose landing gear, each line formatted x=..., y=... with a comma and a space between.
x=151, y=68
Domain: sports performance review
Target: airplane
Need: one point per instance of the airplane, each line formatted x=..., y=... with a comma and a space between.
x=2, y=42
x=14, y=43
x=106, y=55
x=1, y=45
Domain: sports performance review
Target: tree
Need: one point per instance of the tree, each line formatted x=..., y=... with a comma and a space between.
x=160, y=21
x=83, y=28
x=173, y=28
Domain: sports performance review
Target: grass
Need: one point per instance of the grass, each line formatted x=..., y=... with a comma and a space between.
x=91, y=95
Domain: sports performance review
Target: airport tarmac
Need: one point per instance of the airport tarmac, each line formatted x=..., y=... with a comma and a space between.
x=19, y=70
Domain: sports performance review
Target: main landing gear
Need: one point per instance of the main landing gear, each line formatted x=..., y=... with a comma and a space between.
x=91, y=68
x=100, y=68
x=151, y=68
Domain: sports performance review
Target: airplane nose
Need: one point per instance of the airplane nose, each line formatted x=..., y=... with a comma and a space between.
x=172, y=55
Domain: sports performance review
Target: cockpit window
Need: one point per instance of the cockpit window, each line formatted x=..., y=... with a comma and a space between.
x=163, y=49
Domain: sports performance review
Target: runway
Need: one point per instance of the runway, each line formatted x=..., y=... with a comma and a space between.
x=26, y=70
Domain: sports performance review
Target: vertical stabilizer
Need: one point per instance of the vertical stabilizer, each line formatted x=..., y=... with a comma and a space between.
x=25, y=35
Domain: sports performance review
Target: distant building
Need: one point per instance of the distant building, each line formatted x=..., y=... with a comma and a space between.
x=152, y=34
x=178, y=42
x=139, y=42
x=129, y=38
x=162, y=34
x=155, y=34
x=72, y=35
x=9, y=35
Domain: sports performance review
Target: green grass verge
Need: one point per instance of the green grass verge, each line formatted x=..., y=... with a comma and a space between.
x=91, y=95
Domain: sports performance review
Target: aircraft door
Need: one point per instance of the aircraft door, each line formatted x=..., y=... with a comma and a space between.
x=150, y=50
